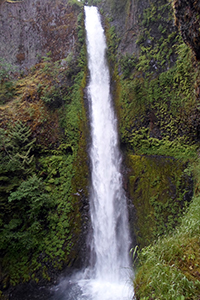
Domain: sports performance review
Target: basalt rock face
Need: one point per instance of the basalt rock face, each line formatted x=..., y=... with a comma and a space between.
x=187, y=14
x=124, y=16
x=128, y=18
x=30, y=29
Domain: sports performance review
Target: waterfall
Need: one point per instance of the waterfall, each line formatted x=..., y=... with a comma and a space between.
x=108, y=277
x=108, y=203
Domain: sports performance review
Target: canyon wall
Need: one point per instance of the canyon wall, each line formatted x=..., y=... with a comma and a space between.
x=31, y=29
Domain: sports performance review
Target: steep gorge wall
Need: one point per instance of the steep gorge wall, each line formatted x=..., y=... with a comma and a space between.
x=123, y=15
x=31, y=29
x=157, y=110
x=187, y=19
x=157, y=101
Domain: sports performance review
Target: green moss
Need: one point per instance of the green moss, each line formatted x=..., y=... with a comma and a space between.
x=156, y=106
x=149, y=108
x=170, y=268
x=155, y=111
x=159, y=191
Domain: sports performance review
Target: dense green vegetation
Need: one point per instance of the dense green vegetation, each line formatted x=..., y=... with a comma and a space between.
x=43, y=166
x=157, y=104
x=160, y=190
x=170, y=268
x=157, y=101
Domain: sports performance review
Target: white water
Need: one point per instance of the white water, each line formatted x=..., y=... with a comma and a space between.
x=109, y=276
x=108, y=203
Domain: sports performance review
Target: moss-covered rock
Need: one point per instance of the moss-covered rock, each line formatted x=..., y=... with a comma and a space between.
x=160, y=192
x=153, y=90
x=169, y=269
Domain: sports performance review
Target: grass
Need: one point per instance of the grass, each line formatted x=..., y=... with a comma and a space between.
x=170, y=269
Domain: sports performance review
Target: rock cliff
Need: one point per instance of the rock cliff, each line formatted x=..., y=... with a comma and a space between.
x=187, y=19
x=31, y=29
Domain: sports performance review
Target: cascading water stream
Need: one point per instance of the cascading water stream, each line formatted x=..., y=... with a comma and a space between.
x=109, y=278
x=108, y=203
